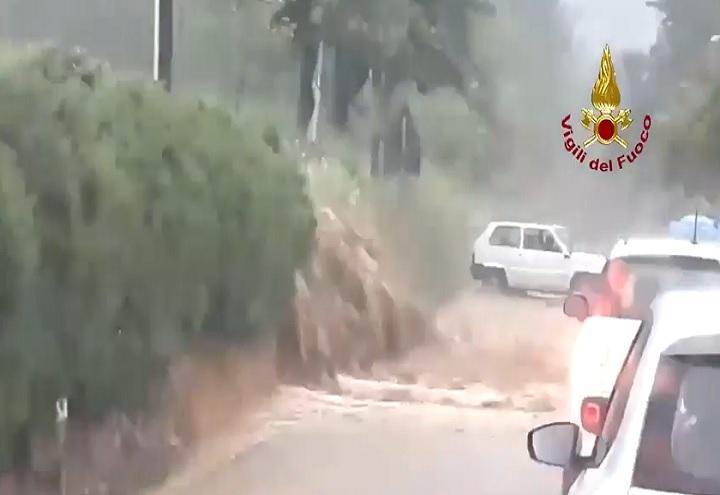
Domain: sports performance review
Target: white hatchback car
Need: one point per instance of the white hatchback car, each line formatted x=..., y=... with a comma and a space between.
x=603, y=341
x=660, y=430
x=530, y=256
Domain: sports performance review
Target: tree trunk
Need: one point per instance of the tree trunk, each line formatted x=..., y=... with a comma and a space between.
x=164, y=40
x=306, y=99
x=350, y=75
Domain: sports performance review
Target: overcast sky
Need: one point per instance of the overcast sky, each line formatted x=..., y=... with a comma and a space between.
x=626, y=25
x=623, y=24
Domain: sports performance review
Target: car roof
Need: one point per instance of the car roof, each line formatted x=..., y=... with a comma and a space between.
x=683, y=313
x=665, y=247
x=530, y=225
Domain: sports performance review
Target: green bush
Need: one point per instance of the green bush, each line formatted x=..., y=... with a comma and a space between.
x=133, y=225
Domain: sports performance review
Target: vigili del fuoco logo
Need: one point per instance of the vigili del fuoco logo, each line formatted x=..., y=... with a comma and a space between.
x=606, y=123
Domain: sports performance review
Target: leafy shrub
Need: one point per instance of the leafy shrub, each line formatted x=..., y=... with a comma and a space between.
x=132, y=226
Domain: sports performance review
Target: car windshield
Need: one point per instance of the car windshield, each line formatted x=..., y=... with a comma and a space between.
x=680, y=443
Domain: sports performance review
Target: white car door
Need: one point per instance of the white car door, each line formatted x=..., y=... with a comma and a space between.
x=598, y=355
x=504, y=251
x=542, y=261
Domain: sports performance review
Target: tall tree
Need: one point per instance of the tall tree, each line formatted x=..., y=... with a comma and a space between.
x=679, y=84
x=396, y=41
x=683, y=36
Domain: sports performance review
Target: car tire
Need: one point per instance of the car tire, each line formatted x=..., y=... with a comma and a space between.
x=477, y=271
x=495, y=280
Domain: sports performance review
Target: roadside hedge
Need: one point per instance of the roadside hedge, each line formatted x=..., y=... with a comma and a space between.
x=133, y=225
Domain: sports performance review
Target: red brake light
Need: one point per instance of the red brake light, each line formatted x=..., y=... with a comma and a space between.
x=617, y=275
x=592, y=414
x=602, y=307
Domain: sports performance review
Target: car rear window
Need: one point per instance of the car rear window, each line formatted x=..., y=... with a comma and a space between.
x=680, y=442
x=671, y=271
x=672, y=262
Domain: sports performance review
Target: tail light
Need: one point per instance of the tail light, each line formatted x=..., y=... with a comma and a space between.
x=602, y=306
x=592, y=414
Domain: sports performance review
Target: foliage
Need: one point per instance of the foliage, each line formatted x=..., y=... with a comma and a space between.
x=681, y=72
x=400, y=39
x=424, y=232
x=132, y=226
x=456, y=137
x=691, y=149
x=224, y=48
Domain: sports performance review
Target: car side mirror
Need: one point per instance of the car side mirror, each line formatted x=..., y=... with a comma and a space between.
x=553, y=444
x=576, y=306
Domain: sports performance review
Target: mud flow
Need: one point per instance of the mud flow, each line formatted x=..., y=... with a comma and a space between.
x=513, y=348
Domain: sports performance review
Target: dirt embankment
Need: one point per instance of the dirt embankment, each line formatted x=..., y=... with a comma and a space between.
x=204, y=396
x=347, y=318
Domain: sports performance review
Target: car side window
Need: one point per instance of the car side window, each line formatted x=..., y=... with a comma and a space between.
x=505, y=236
x=540, y=240
x=623, y=386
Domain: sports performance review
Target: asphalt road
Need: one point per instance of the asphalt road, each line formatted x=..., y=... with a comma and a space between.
x=364, y=446
x=382, y=450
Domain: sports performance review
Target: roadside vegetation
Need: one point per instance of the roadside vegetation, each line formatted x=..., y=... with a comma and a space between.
x=134, y=226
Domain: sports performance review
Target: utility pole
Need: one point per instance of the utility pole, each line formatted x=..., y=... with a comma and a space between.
x=61, y=409
x=163, y=42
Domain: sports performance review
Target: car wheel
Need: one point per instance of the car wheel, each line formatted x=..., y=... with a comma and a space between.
x=477, y=271
x=495, y=280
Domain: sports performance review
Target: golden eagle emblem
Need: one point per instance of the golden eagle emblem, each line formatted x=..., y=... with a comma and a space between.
x=605, y=97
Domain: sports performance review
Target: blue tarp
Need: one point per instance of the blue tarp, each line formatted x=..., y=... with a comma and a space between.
x=708, y=229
